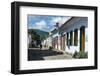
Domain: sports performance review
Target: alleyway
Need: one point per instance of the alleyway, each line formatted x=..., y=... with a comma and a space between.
x=45, y=54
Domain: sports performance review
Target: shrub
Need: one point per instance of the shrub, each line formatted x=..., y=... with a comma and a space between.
x=75, y=54
x=80, y=54
x=83, y=54
x=50, y=47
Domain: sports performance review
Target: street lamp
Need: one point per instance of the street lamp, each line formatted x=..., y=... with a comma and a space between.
x=57, y=25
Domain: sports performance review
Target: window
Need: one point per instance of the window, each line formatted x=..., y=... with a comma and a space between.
x=71, y=37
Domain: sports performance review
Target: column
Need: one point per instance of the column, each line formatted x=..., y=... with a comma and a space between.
x=61, y=42
x=82, y=38
x=64, y=37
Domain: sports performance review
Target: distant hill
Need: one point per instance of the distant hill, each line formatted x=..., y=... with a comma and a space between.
x=43, y=34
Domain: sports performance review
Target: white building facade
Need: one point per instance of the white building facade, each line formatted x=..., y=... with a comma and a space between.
x=73, y=35
x=29, y=40
x=47, y=42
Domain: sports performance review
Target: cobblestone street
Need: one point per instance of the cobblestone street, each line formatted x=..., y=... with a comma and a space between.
x=45, y=54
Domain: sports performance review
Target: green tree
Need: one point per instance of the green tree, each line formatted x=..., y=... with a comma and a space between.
x=34, y=35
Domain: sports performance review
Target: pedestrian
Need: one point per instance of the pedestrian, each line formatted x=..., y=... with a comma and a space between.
x=40, y=46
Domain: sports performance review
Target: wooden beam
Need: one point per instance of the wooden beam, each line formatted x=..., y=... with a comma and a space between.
x=75, y=37
x=82, y=38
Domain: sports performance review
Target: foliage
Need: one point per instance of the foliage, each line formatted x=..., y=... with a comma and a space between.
x=34, y=35
x=50, y=47
x=80, y=54
x=43, y=34
x=75, y=54
x=38, y=34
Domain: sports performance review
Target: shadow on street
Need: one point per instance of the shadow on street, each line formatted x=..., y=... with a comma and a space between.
x=37, y=54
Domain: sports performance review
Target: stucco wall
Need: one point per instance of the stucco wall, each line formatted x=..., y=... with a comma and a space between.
x=77, y=25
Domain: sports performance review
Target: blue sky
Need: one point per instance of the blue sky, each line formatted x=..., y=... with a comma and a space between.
x=45, y=23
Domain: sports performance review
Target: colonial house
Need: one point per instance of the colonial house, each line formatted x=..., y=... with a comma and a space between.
x=47, y=42
x=72, y=35
x=55, y=40
x=29, y=40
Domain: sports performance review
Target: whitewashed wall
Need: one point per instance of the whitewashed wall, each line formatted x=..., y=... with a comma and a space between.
x=72, y=27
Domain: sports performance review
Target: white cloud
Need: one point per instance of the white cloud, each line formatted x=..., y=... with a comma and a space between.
x=60, y=20
x=41, y=25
